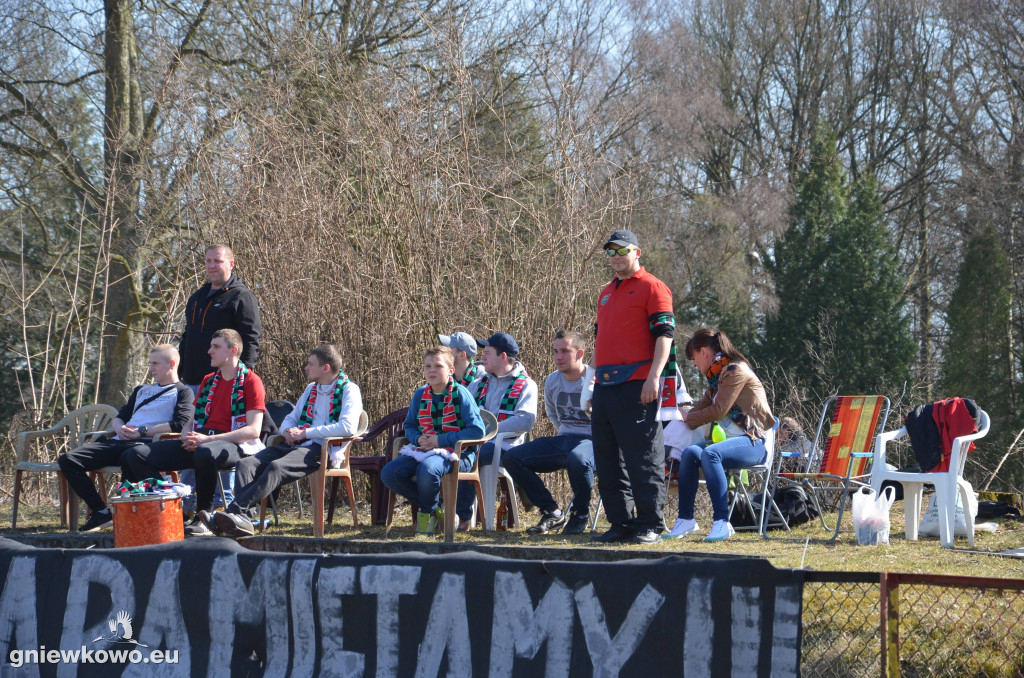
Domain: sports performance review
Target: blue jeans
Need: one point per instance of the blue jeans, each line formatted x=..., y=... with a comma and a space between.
x=420, y=481
x=574, y=453
x=188, y=477
x=714, y=458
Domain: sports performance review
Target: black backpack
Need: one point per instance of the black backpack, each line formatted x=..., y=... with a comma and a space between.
x=796, y=507
x=743, y=513
x=792, y=500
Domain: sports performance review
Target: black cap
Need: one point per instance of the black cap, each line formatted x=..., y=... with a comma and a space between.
x=502, y=343
x=621, y=239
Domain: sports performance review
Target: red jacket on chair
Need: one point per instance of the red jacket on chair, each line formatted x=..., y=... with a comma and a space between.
x=933, y=428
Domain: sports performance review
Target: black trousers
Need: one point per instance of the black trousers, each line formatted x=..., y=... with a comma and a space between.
x=146, y=461
x=629, y=455
x=258, y=475
x=76, y=464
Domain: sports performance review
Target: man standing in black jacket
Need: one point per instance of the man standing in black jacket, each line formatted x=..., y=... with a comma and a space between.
x=224, y=302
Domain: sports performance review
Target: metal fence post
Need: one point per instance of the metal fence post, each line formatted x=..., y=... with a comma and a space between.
x=889, y=614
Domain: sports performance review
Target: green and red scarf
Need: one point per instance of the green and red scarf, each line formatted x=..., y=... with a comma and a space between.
x=449, y=419
x=204, y=403
x=306, y=418
x=511, y=397
x=473, y=372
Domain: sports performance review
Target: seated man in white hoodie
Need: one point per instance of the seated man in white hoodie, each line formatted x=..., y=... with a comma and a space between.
x=329, y=407
x=507, y=392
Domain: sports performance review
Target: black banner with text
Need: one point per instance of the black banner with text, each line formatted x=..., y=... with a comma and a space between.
x=208, y=607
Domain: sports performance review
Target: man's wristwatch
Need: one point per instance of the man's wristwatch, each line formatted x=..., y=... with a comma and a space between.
x=142, y=431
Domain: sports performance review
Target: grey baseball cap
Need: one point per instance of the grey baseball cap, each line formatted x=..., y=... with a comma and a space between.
x=459, y=341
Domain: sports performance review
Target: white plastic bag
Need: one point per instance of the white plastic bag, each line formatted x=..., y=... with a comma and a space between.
x=929, y=526
x=871, y=515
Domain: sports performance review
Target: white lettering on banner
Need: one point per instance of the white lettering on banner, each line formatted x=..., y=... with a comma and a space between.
x=387, y=582
x=336, y=662
x=85, y=571
x=786, y=630
x=264, y=600
x=699, y=629
x=746, y=630
x=18, y=614
x=164, y=626
x=297, y=605
x=447, y=629
x=607, y=654
x=300, y=580
x=519, y=630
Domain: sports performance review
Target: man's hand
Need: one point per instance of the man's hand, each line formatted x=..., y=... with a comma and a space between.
x=294, y=435
x=650, y=390
x=128, y=432
x=427, y=442
x=191, y=440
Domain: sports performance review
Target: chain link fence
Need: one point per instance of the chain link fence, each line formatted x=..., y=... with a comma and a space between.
x=865, y=624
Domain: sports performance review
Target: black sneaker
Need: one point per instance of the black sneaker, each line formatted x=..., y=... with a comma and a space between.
x=615, y=533
x=97, y=521
x=576, y=524
x=548, y=522
x=646, y=535
x=197, y=528
x=234, y=525
x=206, y=518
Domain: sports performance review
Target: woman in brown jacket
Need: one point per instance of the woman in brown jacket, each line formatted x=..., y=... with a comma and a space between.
x=735, y=399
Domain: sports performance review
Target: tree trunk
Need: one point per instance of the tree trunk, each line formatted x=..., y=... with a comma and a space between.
x=122, y=362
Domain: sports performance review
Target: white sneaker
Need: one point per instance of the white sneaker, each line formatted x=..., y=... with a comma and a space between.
x=720, y=531
x=683, y=528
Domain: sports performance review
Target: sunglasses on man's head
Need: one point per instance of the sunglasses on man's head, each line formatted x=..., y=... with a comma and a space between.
x=621, y=251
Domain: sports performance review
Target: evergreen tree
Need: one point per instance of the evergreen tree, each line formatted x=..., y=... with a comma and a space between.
x=840, y=324
x=977, y=360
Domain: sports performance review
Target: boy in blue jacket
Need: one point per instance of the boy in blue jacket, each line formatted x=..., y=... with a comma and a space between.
x=441, y=414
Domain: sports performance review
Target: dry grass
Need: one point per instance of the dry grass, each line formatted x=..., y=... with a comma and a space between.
x=923, y=556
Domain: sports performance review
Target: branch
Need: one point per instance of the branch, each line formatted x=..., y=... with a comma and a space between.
x=72, y=168
x=60, y=83
x=172, y=67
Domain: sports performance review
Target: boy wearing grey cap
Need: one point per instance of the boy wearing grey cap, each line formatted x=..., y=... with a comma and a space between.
x=464, y=348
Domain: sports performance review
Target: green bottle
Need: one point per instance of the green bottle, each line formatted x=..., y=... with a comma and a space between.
x=717, y=433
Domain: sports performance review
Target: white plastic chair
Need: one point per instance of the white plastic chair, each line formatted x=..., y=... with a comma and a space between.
x=74, y=429
x=489, y=474
x=947, y=484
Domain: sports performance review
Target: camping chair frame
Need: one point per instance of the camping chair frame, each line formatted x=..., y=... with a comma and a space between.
x=840, y=459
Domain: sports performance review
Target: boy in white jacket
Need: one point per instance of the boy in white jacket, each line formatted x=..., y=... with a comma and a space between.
x=329, y=407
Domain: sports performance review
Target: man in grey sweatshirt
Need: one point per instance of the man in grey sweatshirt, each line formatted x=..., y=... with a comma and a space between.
x=508, y=392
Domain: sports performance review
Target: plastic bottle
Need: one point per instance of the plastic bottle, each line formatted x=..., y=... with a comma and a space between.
x=717, y=433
